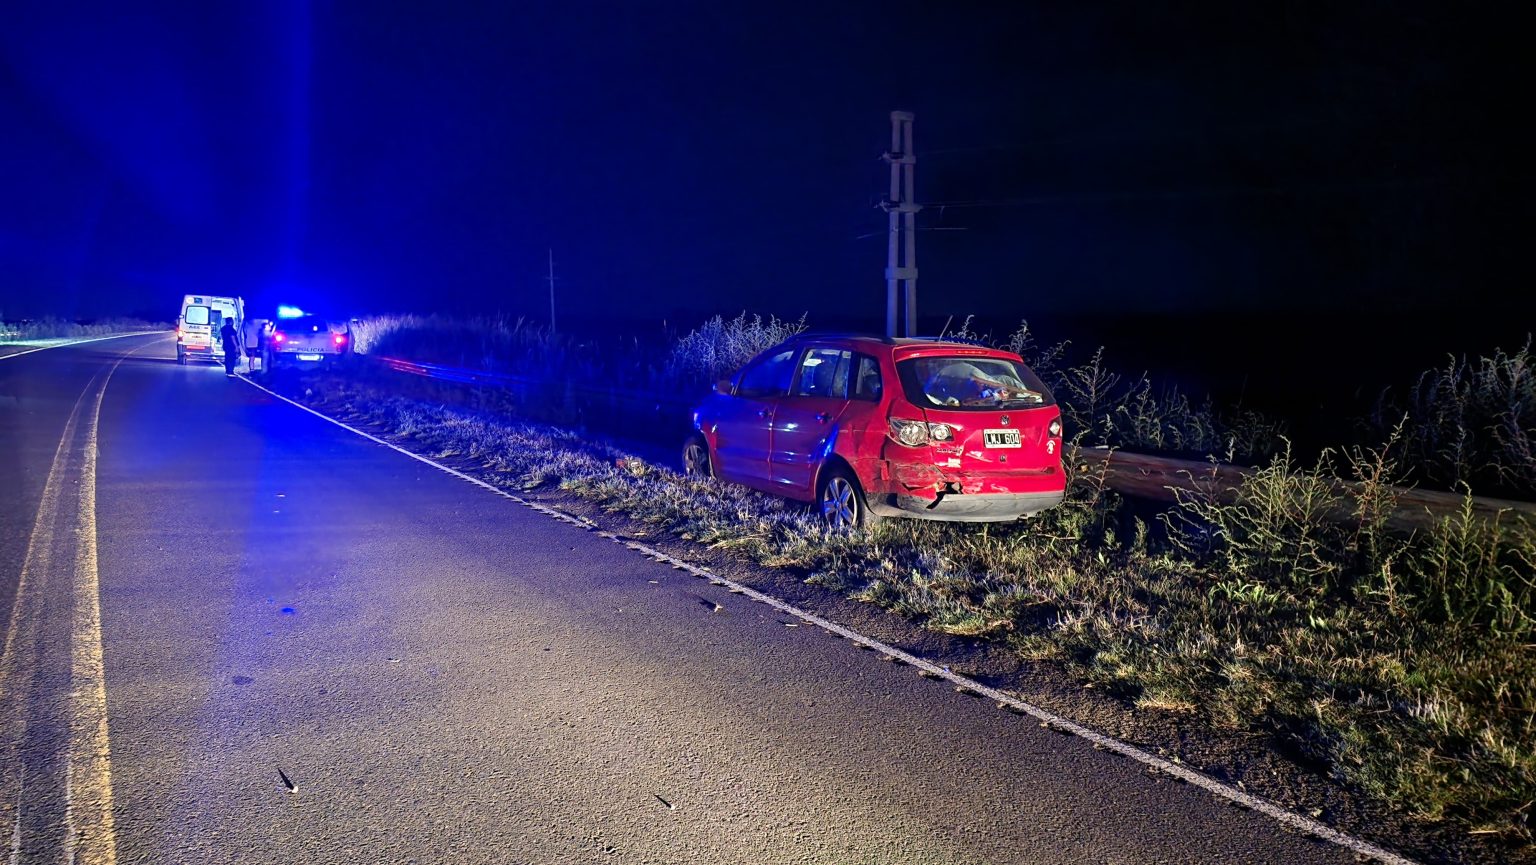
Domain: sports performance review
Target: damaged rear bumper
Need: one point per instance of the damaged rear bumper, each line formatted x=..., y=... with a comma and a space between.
x=970, y=507
x=939, y=493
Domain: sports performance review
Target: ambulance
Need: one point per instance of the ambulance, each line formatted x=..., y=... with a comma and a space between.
x=197, y=328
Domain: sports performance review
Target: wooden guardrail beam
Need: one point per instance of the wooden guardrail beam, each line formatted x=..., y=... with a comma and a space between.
x=1156, y=478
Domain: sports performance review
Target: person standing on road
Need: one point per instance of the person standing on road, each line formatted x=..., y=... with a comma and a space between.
x=252, y=336
x=231, y=338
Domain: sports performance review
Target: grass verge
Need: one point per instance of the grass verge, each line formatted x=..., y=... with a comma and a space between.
x=1404, y=665
x=57, y=328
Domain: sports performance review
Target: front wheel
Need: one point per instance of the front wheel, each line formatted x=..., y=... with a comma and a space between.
x=842, y=501
x=696, y=458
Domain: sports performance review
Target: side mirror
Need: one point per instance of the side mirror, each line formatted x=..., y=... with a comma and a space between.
x=723, y=386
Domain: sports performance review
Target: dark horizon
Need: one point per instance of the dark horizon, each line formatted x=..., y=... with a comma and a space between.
x=1078, y=166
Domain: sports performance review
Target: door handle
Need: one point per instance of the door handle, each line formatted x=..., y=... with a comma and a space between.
x=822, y=417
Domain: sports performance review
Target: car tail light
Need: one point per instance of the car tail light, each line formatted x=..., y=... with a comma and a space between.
x=278, y=336
x=1055, y=427
x=916, y=433
x=339, y=339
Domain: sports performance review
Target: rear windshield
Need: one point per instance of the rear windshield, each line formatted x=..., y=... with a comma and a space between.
x=306, y=324
x=979, y=383
x=197, y=315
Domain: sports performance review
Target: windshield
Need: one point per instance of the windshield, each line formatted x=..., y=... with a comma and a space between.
x=972, y=383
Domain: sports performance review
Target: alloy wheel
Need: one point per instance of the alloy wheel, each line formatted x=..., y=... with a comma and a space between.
x=840, y=504
x=696, y=460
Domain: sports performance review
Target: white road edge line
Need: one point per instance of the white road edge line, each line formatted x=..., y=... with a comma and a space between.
x=1304, y=825
x=80, y=342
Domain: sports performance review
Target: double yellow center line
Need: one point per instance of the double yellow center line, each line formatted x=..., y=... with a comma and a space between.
x=61, y=551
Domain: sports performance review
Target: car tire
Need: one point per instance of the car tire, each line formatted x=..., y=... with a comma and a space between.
x=696, y=462
x=181, y=356
x=840, y=500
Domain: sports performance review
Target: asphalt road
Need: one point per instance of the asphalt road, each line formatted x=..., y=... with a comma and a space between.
x=245, y=635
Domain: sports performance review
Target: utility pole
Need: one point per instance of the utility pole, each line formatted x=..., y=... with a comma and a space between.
x=551, y=291
x=901, y=246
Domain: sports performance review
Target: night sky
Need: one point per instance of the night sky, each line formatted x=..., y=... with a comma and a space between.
x=1230, y=162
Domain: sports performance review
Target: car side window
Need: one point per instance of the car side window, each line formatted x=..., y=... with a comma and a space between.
x=768, y=377
x=867, y=384
x=824, y=373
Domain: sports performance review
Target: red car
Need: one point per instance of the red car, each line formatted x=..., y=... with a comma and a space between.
x=870, y=427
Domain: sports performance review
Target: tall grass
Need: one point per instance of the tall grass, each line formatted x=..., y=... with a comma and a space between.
x=490, y=343
x=684, y=365
x=1470, y=422
x=1406, y=662
x=1111, y=410
x=58, y=328
x=719, y=347
x=1134, y=414
x=630, y=385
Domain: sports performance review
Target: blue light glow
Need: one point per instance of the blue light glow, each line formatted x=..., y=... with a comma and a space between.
x=827, y=446
x=285, y=311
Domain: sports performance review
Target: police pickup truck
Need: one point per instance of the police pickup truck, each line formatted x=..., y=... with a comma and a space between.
x=305, y=341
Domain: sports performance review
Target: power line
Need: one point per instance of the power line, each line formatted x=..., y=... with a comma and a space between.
x=1127, y=130
x=1224, y=192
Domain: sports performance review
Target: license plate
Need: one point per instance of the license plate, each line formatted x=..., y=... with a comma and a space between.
x=317, y=357
x=1001, y=438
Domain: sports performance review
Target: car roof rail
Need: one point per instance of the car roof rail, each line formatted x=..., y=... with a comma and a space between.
x=888, y=340
x=962, y=340
x=844, y=334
